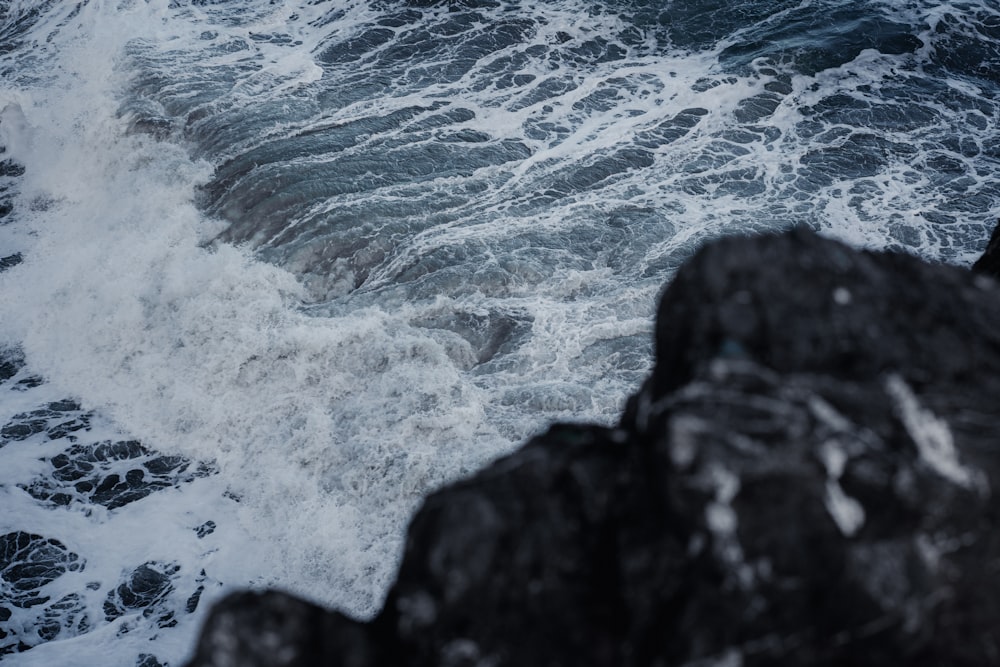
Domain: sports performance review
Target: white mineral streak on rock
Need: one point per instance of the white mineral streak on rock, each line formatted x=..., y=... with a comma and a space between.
x=722, y=521
x=829, y=415
x=727, y=485
x=730, y=658
x=847, y=513
x=683, y=443
x=930, y=434
x=928, y=551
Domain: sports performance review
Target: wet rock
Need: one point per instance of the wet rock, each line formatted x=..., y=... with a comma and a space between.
x=5, y=632
x=540, y=535
x=800, y=303
x=807, y=477
x=205, y=529
x=28, y=563
x=65, y=618
x=11, y=362
x=10, y=260
x=10, y=169
x=989, y=263
x=192, y=602
x=487, y=332
x=112, y=474
x=56, y=420
x=145, y=589
x=274, y=629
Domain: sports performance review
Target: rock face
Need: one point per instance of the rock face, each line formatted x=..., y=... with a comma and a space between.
x=989, y=263
x=806, y=478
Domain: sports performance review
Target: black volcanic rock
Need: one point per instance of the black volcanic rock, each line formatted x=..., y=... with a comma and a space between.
x=807, y=478
x=548, y=536
x=273, y=629
x=799, y=303
x=989, y=263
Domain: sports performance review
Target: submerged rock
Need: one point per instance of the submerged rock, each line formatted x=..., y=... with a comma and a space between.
x=57, y=420
x=807, y=477
x=44, y=594
x=28, y=563
x=112, y=474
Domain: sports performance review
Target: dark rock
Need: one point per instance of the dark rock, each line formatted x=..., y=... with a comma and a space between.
x=550, y=553
x=807, y=477
x=6, y=645
x=989, y=263
x=146, y=588
x=112, y=474
x=205, y=529
x=28, y=562
x=58, y=419
x=11, y=362
x=192, y=602
x=10, y=260
x=11, y=169
x=798, y=303
x=487, y=333
x=273, y=629
x=28, y=382
x=65, y=618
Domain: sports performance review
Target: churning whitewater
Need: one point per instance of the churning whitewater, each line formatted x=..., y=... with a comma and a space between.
x=272, y=271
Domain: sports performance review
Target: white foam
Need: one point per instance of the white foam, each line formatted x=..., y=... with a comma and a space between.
x=329, y=429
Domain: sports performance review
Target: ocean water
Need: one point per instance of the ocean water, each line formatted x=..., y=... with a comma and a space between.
x=271, y=271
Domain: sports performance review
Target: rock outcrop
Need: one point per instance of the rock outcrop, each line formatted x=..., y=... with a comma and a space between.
x=806, y=478
x=989, y=263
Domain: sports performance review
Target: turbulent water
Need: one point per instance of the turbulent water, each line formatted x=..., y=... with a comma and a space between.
x=270, y=271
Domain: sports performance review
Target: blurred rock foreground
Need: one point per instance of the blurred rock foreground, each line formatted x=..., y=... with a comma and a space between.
x=806, y=478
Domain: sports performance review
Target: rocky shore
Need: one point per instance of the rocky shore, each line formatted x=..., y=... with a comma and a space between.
x=806, y=478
